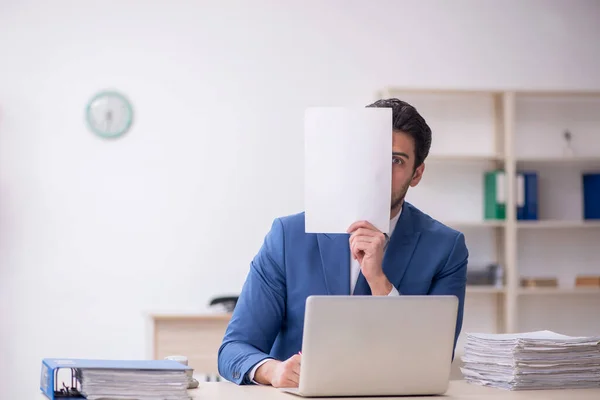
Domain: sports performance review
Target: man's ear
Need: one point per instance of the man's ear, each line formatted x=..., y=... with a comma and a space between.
x=417, y=175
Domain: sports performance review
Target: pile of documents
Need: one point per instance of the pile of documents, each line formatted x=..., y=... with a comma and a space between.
x=532, y=360
x=133, y=384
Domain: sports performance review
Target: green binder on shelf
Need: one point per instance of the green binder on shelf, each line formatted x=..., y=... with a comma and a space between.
x=495, y=195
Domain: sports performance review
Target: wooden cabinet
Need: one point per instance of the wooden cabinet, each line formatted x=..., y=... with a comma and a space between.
x=197, y=337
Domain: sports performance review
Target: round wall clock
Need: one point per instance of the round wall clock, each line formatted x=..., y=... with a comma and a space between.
x=109, y=114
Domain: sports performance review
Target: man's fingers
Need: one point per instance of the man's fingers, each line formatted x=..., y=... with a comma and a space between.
x=294, y=364
x=295, y=359
x=296, y=370
x=291, y=372
x=366, y=232
x=292, y=381
x=363, y=239
x=361, y=224
x=359, y=247
x=287, y=382
x=370, y=240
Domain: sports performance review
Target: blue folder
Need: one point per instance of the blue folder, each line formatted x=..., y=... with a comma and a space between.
x=527, y=195
x=51, y=366
x=591, y=196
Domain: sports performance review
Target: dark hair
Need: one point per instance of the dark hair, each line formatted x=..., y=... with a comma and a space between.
x=407, y=119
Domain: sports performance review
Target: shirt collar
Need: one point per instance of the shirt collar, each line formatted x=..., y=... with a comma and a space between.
x=394, y=221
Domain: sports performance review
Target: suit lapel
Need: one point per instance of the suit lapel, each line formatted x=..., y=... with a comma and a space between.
x=335, y=259
x=401, y=247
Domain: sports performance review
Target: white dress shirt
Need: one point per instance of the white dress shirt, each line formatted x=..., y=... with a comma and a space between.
x=354, y=272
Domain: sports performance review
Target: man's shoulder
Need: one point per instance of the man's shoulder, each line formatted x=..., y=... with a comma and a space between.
x=291, y=223
x=292, y=220
x=425, y=223
x=444, y=238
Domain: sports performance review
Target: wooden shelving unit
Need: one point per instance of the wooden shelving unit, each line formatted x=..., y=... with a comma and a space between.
x=463, y=158
x=557, y=224
x=485, y=290
x=474, y=224
x=558, y=291
x=514, y=130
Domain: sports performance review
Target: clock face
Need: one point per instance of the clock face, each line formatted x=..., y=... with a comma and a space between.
x=109, y=114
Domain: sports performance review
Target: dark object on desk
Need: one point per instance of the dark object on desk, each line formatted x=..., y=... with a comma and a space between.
x=193, y=383
x=591, y=196
x=487, y=276
x=228, y=302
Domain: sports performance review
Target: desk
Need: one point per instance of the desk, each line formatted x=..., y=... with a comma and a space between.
x=196, y=336
x=458, y=390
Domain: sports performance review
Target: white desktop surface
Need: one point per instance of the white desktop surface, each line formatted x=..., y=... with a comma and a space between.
x=458, y=390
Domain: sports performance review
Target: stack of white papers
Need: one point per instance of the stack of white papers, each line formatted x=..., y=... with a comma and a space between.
x=132, y=384
x=533, y=360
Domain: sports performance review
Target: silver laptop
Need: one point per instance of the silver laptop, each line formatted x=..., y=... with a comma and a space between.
x=377, y=345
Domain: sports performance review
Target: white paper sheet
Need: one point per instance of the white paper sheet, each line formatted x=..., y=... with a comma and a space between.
x=348, y=168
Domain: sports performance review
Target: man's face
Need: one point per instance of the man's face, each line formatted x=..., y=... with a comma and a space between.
x=404, y=174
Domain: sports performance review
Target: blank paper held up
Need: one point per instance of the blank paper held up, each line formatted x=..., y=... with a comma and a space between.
x=348, y=168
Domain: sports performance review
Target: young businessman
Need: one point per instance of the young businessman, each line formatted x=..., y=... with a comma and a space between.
x=421, y=257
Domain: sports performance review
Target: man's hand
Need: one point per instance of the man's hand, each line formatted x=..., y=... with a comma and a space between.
x=367, y=244
x=280, y=374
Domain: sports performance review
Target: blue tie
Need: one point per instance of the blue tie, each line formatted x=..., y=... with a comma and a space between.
x=362, y=287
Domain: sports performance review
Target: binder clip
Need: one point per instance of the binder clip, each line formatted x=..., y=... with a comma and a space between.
x=49, y=383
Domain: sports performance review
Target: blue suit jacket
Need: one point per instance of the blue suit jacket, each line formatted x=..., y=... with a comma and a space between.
x=424, y=257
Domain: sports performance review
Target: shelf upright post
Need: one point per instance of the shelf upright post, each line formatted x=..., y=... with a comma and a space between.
x=499, y=231
x=510, y=232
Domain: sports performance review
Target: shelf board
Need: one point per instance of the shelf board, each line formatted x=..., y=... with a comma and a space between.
x=475, y=224
x=462, y=158
x=518, y=91
x=558, y=291
x=475, y=289
x=558, y=224
x=586, y=160
x=393, y=90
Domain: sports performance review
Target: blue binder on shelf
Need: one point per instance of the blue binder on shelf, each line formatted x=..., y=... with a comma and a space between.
x=591, y=196
x=51, y=366
x=527, y=195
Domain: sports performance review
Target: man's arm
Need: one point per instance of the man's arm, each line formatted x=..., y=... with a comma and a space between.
x=452, y=280
x=258, y=314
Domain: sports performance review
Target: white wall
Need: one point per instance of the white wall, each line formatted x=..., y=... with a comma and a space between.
x=95, y=234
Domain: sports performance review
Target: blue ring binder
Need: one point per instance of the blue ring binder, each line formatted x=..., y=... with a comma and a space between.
x=51, y=367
